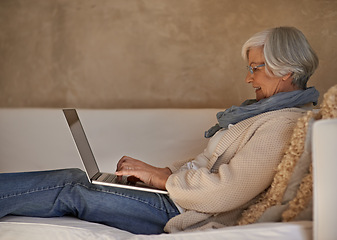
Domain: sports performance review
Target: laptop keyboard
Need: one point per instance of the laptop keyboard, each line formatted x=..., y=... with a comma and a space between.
x=110, y=178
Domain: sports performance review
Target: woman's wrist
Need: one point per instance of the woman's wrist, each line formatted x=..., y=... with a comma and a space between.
x=164, y=174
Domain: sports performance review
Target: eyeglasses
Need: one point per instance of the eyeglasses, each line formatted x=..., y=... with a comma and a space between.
x=253, y=69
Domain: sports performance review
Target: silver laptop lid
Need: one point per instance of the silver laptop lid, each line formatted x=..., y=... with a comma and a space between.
x=81, y=142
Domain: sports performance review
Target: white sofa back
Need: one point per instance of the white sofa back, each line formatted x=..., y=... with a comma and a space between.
x=39, y=139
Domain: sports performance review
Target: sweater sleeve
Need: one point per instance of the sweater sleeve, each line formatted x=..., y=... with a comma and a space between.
x=249, y=172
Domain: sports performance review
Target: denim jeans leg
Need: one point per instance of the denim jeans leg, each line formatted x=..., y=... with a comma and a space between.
x=68, y=192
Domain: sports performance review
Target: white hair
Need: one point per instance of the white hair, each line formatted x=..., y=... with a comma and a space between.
x=286, y=50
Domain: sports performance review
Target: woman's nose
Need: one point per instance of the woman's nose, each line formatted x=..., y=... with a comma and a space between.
x=249, y=78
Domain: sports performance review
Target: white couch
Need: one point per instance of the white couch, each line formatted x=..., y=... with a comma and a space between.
x=39, y=139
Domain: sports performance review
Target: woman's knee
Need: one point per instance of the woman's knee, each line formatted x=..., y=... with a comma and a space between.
x=74, y=175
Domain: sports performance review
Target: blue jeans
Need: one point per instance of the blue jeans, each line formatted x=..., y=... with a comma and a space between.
x=68, y=192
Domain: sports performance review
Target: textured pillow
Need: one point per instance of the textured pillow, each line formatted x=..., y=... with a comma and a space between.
x=302, y=169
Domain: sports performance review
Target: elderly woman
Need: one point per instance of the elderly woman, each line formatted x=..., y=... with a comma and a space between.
x=209, y=191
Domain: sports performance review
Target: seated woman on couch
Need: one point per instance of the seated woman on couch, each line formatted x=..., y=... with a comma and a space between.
x=209, y=191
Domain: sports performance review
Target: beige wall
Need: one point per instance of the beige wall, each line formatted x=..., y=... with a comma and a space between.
x=146, y=53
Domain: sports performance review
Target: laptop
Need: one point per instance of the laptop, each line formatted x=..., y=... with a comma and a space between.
x=94, y=175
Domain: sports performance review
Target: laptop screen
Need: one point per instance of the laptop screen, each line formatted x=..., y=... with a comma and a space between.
x=81, y=142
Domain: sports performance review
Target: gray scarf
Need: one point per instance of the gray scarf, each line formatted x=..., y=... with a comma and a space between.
x=251, y=107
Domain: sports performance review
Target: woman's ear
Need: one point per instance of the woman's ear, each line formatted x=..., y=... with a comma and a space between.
x=287, y=76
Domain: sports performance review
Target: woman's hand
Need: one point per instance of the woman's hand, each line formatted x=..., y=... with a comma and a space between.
x=148, y=174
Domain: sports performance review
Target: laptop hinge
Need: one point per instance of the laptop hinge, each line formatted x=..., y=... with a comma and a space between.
x=96, y=176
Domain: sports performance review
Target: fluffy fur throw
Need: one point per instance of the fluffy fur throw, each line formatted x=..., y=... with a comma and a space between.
x=278, y=203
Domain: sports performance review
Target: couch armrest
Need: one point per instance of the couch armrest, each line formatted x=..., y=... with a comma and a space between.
x=324, y=148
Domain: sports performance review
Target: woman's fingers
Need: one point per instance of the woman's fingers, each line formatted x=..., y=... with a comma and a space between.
x=147, y=173
x=123, y=161
x=133, y=179
x=130, y=166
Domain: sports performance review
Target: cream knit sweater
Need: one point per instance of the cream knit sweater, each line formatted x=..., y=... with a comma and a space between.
x=235, y=168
